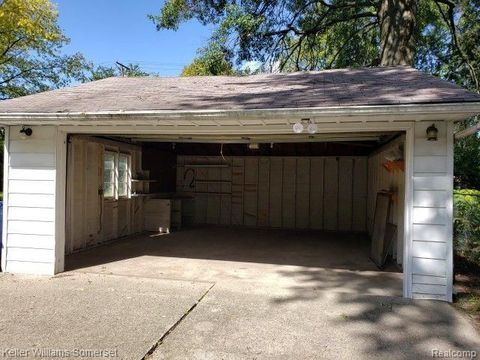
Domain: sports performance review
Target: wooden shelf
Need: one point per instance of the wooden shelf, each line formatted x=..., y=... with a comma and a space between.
x=205, y=165
x=213, y=181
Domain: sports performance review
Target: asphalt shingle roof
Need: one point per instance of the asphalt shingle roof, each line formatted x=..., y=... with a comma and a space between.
x=343, y=87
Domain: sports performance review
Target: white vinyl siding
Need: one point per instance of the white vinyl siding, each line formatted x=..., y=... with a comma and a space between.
x=431, y=214
x=30, y=201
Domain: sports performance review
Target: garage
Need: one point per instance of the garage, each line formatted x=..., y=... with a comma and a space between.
x=234, y=198
x=265, y=169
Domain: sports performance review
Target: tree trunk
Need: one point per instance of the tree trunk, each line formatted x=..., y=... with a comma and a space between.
x=397, y=27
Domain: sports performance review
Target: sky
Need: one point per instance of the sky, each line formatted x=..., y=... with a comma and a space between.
x=105, y=31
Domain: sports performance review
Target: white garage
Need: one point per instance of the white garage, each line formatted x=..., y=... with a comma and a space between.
x=118, y=157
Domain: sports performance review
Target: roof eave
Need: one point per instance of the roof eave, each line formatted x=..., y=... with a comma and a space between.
x=394, y=112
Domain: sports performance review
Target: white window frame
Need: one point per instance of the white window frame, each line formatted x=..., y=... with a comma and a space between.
x=116, y=157
x=129, y=175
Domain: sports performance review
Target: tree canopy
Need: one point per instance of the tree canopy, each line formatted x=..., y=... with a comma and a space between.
x=439, y=36
x=30, y=43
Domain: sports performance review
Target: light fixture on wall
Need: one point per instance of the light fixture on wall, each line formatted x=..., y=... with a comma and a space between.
x=26, y=132
x=303, y=124
x=432, y=133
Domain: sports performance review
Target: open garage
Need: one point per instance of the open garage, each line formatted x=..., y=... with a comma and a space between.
x=202, y=177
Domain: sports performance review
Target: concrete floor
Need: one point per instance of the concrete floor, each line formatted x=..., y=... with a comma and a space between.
x=228, y=293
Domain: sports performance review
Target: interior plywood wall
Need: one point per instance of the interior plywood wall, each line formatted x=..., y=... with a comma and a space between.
x=328, y=193
x=91, y=219
x=393, y=181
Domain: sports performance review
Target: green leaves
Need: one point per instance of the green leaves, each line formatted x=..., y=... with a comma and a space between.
x=30, y=43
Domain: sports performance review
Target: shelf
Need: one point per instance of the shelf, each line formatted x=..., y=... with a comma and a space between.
x=205, y=165
x=213, y=181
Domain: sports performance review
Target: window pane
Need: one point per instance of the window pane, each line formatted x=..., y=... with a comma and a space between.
x=123, y=175
x=109, y=175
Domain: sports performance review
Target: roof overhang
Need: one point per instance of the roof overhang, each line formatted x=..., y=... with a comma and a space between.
x=365, y=113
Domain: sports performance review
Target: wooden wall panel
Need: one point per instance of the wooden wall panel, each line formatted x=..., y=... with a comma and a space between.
x=330, y=196
x=275, y=193
x=302, y=195
x=291, y=192
x=316, y=192
x=345, y=194
x=263, y=191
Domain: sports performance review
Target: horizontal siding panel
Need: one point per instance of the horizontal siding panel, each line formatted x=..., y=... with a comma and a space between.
x=46, y=187
x=31, y=227
x=423, y=147
x=429, y=289
x=31, y=255
x=39, y=133
x=430, y=164
x=443, y=182
x=32, y=200
x=432, y=280
x=31, y=241
x=32, y=160
x=429, y=267
x=31, y=174
x=27, y=267
x=32, y=146
x=429, y=216
x=35, y=214
x=420, y=296
x=421, y=129
x=427, y=249
x=430, y=198
x=430, y=232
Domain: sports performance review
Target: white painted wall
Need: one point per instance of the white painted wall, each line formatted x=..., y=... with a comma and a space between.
x=431, y=263
x=30, y=222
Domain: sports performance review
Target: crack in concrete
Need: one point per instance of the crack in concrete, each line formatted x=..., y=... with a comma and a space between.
x=174, y=326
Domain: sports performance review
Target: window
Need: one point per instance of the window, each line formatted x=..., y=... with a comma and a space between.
x=116, y=175
x=123, y=175
x=109, y=175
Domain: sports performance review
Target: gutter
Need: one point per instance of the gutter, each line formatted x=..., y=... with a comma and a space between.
x=411, y=112
x=467, y=132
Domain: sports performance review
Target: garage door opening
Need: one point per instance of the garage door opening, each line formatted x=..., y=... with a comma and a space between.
x=204, y=207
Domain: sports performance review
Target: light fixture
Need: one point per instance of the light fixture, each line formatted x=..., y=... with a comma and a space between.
x=298, y=128
x=25, y=132
x=432, y=133
x=312, y=128
x=303, y=124
x=253, y=146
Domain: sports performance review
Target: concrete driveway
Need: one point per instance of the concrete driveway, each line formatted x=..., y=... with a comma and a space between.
x=228, y=294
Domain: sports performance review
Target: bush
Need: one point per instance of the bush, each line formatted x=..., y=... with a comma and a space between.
x=467, y=224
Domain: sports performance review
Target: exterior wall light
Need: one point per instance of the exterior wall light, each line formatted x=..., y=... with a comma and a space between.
x=26, y=132
x=432, y=133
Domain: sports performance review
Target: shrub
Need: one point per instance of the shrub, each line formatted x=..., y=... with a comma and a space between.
x=467, y=224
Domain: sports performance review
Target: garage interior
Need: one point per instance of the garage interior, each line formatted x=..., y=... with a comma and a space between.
x=300, y=199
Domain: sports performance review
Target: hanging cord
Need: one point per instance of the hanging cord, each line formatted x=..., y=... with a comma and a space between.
x=221, y=152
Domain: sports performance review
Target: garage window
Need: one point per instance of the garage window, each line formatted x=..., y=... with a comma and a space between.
x=109, y=174
x=123, y=175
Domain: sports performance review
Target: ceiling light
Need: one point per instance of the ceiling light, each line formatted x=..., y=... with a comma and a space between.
x=312, y=128
x=253, y=146
x=298, y=128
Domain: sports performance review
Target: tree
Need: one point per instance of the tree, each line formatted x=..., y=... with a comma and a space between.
x=101, y=72
x=211, y=60
x=316, y=34
x=30, y=43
